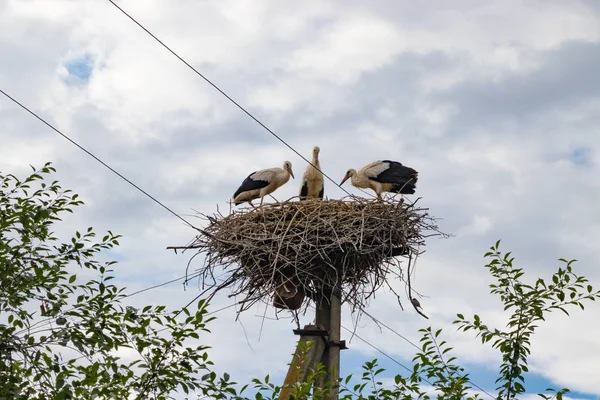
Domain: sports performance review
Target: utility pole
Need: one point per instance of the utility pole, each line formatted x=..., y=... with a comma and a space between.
x=335, y=345
x=323, y=321
x=326, y=345
x=329, y=317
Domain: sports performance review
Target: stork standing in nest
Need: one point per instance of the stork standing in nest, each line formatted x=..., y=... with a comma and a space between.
x=290, y=293
x=384, y=176
x=312, y=181
x=261, y=183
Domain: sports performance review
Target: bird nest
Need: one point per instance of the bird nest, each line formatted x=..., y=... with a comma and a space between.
x=286, y=251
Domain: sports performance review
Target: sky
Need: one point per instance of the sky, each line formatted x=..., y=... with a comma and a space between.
x=496, y=104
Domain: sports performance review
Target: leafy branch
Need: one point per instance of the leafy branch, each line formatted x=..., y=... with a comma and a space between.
x=530, y=303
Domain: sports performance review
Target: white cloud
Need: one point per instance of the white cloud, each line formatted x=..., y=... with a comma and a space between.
x=348, y=47
x=487, y=100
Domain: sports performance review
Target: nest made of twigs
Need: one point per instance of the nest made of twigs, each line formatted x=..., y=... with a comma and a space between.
x=295, y=248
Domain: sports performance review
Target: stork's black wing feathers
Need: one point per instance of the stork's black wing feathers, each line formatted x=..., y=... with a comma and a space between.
x=322, y=192
x=250, y=184
x=403, y=178
x=304, y=190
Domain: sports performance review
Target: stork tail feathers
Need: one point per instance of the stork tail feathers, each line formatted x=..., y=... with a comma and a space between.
x=407, y=187
x=304, y=190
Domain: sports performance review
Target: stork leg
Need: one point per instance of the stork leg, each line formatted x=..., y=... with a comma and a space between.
x=379, y=198
x=250, y=202
x=261, y=202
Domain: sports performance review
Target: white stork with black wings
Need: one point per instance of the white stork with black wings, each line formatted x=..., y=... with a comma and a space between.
x=313, y=186
x=384, y=176
x=261, y=183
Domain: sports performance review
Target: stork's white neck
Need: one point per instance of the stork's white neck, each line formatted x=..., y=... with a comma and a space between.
x=360, y=180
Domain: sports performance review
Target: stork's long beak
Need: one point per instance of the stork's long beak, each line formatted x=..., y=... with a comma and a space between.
x=292, y=174
x=345, y=179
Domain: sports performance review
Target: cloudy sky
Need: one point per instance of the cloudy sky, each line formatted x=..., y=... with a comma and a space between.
x=496, y=104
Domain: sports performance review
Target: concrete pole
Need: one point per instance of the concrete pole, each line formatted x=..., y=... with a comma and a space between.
x=333, y=355
x=323, y=321
x=328, y=317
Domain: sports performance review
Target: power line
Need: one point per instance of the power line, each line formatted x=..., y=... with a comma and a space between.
x=186, y=277
x=48, y=320
x=118, y=174
x=163, y=329
x=185, y=221
x=167, y=208
x=96, y=158
x=378, y=321
x=398, y=362
x=181, y=218
x=225, y=94
x=354, y=334
x=207, y=314
x=349, y=390
x=382, y=352
x=142, y=391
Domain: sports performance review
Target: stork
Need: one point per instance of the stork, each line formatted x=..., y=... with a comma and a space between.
x=261, y=183
x=384, y=176
x=312, y=180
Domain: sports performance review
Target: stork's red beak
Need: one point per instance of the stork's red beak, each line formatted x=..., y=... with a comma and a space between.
x=345, y=179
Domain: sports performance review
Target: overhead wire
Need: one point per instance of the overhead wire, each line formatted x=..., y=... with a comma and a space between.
x=399, y=363
x=178, y=216
x=96, y=158
x=227, y=96
x=181, y=218
x=185, y=221
x=143, y=390
x=354, y=334
x=378, y=321
x=45, y=322
x=185, y=277
x=381, y=351
x=163, y=329
x=115, y=172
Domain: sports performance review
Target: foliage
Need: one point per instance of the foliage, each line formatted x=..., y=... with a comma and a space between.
x=435, y=373
x=430, y=369
x=62, y=321
x=529, y=305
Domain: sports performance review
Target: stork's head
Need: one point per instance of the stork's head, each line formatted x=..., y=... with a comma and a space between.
x=287, y=166
x=351, y=172
x=316, y=150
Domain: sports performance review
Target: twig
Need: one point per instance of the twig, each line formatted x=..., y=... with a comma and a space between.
x=312, y=244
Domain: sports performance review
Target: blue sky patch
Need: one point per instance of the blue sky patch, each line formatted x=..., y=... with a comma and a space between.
x=580, y=156
x=81, y=67
x=483, y=377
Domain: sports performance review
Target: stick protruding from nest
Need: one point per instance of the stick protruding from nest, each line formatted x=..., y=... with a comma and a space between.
x=295, y=249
